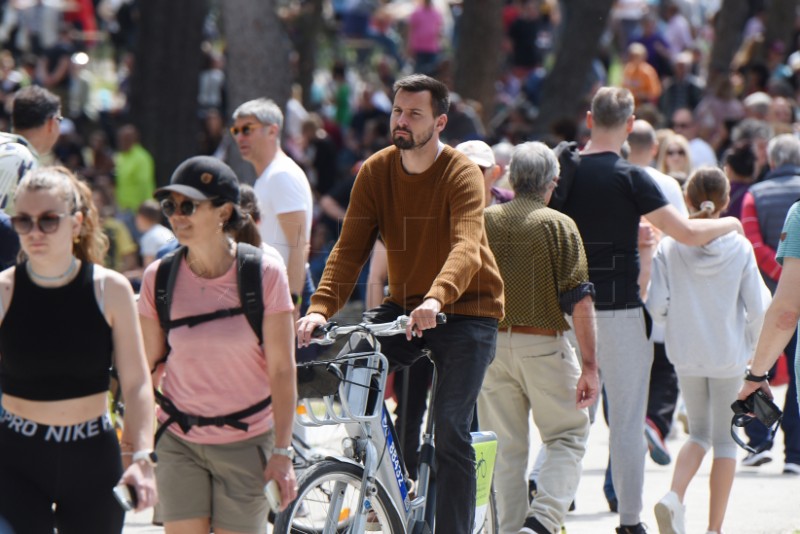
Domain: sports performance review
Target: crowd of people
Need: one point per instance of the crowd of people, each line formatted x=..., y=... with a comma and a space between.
x=631, y=270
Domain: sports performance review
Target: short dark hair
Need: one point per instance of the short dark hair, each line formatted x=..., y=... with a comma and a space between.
x=416, y=83
x=150, y=210
x=741, y=158
x=32, y=107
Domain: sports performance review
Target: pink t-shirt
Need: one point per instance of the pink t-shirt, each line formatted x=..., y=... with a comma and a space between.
x=217, y=367
x=424, y=30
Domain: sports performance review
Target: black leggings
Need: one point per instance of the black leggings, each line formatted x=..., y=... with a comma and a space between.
x=74, y=467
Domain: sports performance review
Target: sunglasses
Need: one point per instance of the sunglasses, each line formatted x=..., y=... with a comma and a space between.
x=676, y=153
x=47, y=223
x=245, y=130
x=185, y=208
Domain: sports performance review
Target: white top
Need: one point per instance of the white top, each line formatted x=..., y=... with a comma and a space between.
x=153, y=239
x=670, y=188
x=17, y=158
x=678, y=34
x=701, y=153
x=282, y=188
x=712, y=300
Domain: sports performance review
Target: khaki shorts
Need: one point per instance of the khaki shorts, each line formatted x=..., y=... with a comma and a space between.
x=194, y=480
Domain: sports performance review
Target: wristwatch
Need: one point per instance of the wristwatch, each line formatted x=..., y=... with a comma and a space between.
x=750, y=377
x=284, y=451
x=147, y=456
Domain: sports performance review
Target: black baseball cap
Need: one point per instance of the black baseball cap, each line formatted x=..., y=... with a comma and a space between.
x=203, y=178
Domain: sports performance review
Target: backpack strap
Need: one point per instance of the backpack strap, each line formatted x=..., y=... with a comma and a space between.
x=248, y=278
x=166, y=275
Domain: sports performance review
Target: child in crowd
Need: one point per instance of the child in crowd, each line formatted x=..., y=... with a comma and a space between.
x=712, y=300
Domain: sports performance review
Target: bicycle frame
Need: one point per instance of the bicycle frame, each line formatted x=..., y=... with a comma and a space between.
x=372, y=440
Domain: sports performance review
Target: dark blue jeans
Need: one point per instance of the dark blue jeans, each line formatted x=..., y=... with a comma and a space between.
x=462, y=350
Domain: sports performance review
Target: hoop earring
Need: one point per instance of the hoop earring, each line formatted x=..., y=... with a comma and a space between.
x=76, y=239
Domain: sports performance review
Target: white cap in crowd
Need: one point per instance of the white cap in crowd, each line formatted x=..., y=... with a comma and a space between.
x=479, y=152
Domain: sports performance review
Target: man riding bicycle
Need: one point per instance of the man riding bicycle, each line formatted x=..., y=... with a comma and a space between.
x=426, y=201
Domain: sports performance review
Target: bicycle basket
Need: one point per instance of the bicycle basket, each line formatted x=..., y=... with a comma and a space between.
x=316, y=380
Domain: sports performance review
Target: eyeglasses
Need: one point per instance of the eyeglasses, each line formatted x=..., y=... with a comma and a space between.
x=58, y=117
x=676, y=153
x=245, y=130
x=47, y=223
x=185, y=208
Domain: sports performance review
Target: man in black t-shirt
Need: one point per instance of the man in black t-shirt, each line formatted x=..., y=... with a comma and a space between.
x=607, y=198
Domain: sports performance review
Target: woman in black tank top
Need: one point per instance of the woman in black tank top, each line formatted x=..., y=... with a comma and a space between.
x=62, y=319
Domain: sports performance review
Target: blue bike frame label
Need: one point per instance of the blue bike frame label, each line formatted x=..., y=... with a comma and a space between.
x=397, y=466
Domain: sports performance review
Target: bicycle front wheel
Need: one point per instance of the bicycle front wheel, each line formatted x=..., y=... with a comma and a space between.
x=490, y=523
x=328, y=501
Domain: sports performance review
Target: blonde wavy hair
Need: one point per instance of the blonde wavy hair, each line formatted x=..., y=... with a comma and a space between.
x=92, y=243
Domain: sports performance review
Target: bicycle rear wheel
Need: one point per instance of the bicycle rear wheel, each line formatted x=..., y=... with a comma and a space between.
x=327, y=502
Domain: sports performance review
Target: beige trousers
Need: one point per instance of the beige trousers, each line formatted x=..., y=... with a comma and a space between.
x=536, y=374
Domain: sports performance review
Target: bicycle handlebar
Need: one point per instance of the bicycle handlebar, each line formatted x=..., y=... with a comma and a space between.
x=327, y=334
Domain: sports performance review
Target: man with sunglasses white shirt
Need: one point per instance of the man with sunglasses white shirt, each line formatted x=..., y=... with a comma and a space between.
x=282, y=189
x=35, y=119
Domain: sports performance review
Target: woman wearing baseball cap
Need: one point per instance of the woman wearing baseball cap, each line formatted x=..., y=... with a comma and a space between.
x=227, y=402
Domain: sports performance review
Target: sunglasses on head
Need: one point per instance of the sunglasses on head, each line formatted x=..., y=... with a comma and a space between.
x=185, y=207
x=245, y=130
x=47, y=223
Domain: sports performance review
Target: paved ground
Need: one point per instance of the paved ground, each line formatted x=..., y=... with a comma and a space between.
x=763, y=500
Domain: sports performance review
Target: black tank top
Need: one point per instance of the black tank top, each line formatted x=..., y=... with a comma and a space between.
x=55, y=343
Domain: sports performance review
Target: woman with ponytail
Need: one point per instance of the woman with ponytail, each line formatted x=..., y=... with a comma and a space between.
x=63, y=318
x=712, y=301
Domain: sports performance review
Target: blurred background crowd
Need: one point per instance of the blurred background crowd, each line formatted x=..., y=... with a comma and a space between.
x=717, y=79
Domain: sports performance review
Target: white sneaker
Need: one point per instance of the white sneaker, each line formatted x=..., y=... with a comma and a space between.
x=754, y=460
x=791, y=469
x=670, y=514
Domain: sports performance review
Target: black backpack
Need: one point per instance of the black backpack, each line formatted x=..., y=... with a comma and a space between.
x=248, y=276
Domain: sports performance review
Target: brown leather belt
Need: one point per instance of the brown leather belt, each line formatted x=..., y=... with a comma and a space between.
x=519, y=329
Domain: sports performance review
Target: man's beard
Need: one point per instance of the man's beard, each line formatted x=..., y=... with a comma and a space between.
x=408, y=143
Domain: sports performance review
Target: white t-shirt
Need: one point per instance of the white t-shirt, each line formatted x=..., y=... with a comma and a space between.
x=282, y=188
x=701, y=153
x=671, y=189
x=153, y=239
x=17, y=158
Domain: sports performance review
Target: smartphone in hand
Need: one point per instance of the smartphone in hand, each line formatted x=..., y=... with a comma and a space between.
x=273, y=494
x=126, y=496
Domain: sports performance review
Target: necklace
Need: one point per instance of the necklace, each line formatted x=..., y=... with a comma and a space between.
x=66, y=274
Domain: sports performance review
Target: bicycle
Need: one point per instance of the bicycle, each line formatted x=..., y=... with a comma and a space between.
x=366, y=488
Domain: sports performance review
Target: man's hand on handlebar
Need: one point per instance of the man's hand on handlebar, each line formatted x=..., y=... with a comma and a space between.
x=306, y=326
x=423, y=318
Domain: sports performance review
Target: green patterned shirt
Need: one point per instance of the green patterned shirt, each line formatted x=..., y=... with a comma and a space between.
x=540, y=255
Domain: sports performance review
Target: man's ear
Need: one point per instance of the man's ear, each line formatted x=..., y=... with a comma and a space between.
x=589, y=120
x=441, y=122
x=629, y=123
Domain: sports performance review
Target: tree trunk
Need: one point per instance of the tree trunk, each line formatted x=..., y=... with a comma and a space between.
x=258, y=62
x=780, y=23
x=730, y=22
x=308, y=32
x=165, y=80
x=562, y=92
x=476, y=61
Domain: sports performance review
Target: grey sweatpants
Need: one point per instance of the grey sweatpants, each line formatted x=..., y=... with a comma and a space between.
x=625, y=355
